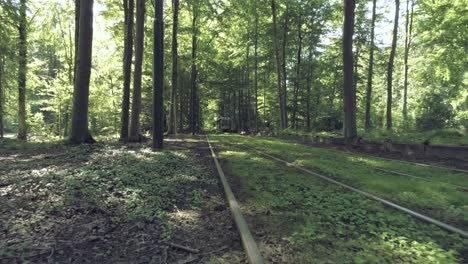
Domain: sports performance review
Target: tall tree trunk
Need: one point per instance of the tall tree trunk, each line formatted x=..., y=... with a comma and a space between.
x=173, y=110
x=2, y=70
x=79, y=131
x=282, y=110
x=256, y=66
x=298, y=71
x=158, y=77
x=309, y=86
x=350, y=130
x=284, y=79
x=77, y=34
x=22, y=68
x=408, y=34
x=371, y=69
x=194, y=88
x=129, y=7
x=135, y=132
x=390, y=67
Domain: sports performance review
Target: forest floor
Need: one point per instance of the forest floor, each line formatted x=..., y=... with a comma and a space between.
x=116, y=203
x=448, y=137
x=298, y=218
x=113, y=203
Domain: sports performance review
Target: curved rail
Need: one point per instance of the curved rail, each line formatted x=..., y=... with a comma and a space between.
x=421, y=178
x=248, y=242
x=371, y=196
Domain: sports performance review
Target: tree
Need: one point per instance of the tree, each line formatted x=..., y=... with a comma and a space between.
x=22, y=68
x=194, y=111
x=390, y=67
x=408, y=35
x=371, y=69
x=135, y=132
x=256, y=65
x=173, y=110
x=281, y=95
x=2, y=69
x=127, y=66
x=79, y=130
x=349, y=92
x=298, y=72
x=158, y=77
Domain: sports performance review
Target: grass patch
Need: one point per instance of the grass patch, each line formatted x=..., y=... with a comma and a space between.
x=321, y=223
x=443, y=202
x=455, y=137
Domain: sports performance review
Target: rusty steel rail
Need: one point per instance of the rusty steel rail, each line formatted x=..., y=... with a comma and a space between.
x=248, y=242
x=417, y=215
x=420, y=178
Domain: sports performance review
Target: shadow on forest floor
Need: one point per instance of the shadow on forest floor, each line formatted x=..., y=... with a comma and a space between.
x=110, y=203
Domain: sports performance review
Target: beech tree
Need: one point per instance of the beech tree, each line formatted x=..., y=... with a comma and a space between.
x=173, y=108
x=79, y=130
x=127, y=66
x=194, y=100
x=135, y=132
x=349, y=92
x=408, y=36
x=279, y=73
x=390, y=66
x=158, y=76
x=370, y=73
x=22, y=68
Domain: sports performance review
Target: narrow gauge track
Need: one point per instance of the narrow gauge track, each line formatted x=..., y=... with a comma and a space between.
x=248, y=242
x=388, y=159
x=420, y=178
x=417, y=215
x=415, y=163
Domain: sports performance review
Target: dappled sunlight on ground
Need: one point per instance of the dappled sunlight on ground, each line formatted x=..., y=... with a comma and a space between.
x=103, y=204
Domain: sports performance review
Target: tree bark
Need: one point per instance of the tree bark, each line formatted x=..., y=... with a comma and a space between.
x=390, y=67
x=2, y=70
x=194, y=88
x=77, y=34
x=408, y=35
x=129, y=7
x=284, y=79
x=298, y=71
x=158, y=77
x=309, y=87
x=173, y=111
x=22, y=68
x=135, y=132
x=350, y=130
x=256, y=66
x=282, y=110
x=370, y=70
x=79, y=131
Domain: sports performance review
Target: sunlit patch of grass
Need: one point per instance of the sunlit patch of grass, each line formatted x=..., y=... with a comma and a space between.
x=442, y=201
x=324, y=223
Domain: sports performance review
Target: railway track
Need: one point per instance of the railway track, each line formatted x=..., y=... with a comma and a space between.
x=371, y=196
x=421, y=178
x=387, y=159
x=248, y=242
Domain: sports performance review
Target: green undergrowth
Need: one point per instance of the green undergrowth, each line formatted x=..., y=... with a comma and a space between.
x=127, y=191
x=434, y=137
x=321, y=223
x=138, y=184
x=9, y=145
x=453, y=137
x=436, y=198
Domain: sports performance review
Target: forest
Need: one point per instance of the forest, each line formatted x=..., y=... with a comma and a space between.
x=266, y=65
x=233, y=131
